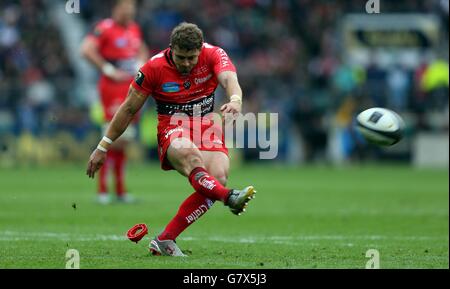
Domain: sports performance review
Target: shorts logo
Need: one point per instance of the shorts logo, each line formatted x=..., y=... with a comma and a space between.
x=170, y=87
x=139, y=78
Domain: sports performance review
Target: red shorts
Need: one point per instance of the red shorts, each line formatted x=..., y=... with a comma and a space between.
x=112, y=94
x=205, y=135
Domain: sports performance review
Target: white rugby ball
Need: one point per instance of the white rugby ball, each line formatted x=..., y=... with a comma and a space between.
x=380, y=126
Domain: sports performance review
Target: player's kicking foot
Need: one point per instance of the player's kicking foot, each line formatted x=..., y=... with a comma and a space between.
x=165, y=248
x=238, y=199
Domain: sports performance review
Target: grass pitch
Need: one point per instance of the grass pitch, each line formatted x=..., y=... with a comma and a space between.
x=307, y=217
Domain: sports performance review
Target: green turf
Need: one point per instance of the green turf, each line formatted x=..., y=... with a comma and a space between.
x=307, y=217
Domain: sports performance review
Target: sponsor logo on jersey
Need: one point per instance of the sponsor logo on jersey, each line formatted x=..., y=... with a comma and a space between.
x=202, y=79
x=170, y=87
x=187, y=84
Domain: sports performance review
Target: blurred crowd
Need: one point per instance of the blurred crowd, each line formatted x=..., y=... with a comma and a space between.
x=287, y=53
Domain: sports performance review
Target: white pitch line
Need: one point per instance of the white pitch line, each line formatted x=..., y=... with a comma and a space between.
x=287, y=240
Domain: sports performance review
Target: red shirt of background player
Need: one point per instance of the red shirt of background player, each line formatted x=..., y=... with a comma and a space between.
x=120, y=46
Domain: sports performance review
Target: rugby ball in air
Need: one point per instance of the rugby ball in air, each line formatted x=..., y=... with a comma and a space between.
x=380, y=126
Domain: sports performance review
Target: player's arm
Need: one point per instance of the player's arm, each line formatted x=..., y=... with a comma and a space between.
x=89, y=50
x=229, y=81
x=124, y=115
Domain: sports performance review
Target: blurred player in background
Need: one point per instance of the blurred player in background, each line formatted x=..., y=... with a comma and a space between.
x=117, y=49
x=182, y=79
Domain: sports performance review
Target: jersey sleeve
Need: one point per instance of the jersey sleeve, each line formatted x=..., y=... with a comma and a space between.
x=145, y=79
x=221, y=61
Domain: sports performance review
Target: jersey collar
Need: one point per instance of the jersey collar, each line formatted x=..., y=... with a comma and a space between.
x=168, y=56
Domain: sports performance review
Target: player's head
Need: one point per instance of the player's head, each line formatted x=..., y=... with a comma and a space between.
x=186, y=43
x=124, y=10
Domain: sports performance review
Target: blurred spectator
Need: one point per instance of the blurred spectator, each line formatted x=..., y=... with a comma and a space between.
x=39, y=96
x=375, y=84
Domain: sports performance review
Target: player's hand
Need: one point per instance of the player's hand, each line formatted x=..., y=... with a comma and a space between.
x=231, y=110
x=95, y=162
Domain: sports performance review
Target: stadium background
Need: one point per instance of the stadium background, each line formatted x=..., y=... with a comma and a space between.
x=293, y=58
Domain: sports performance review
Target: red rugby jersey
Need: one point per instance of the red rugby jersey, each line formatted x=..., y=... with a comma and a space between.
x=160, y=78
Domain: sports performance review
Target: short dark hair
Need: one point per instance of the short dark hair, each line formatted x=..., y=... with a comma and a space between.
x=186, y=36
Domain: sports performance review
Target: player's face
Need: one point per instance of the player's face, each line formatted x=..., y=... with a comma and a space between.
x=185, y=60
